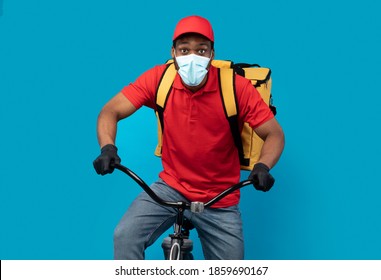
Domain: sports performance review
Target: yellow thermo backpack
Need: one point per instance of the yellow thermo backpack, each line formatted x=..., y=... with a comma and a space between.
x=248, y=143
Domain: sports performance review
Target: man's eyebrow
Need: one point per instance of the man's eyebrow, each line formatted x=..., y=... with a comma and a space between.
x=204, y=43
x=183, y=43
x=187, y=43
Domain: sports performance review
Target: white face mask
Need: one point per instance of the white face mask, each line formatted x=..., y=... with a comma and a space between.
x=192, y=68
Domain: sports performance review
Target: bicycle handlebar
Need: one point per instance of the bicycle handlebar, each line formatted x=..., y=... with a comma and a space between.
x=194, y=206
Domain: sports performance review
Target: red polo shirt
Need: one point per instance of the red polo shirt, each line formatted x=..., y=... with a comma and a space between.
x=199, y=156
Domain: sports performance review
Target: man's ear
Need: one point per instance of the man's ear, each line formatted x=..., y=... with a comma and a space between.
x=211, y=58
x=173, y=57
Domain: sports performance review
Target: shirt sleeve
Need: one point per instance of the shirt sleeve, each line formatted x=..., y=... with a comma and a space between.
x=252, y=108
x=142, y=92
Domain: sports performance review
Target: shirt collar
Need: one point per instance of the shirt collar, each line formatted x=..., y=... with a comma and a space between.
x=211, y=82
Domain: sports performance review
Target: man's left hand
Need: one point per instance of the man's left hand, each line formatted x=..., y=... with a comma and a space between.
x=261, y=177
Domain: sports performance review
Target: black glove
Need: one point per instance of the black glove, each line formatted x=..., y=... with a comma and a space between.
x=103, y=164
x=262, y=179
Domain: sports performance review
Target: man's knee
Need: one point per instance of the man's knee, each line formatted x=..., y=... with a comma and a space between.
x=118, y=234
x=125, y=246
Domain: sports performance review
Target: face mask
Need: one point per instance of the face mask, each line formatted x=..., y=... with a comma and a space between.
x=192, y=68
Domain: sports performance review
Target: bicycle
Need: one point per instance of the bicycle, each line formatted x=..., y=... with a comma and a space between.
x=178, y=246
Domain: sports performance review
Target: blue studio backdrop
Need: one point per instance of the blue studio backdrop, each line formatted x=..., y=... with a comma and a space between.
x=61, y=61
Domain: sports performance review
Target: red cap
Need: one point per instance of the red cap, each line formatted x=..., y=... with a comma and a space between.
x=194, y=24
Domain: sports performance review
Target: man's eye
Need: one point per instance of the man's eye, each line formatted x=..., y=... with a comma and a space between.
x=183, y=51
x=202, y=51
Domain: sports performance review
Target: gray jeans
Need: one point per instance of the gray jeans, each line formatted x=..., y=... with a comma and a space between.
x=219, y=230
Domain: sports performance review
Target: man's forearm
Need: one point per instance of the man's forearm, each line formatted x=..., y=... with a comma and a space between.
x=106, y=128
x=272, y=149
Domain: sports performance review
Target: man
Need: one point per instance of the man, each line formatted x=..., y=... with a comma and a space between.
x=198, y=155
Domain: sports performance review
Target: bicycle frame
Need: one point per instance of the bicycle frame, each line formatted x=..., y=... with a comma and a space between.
x=178, y=237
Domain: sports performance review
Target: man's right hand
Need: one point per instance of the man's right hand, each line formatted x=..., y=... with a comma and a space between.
x=103, y=164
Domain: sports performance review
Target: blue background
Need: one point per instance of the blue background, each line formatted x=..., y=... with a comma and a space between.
x=61, y=61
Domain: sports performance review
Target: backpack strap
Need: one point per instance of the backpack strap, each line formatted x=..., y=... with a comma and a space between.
x=165, y=85
x=222, y=63
x=228, y=95
x=162, y=93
